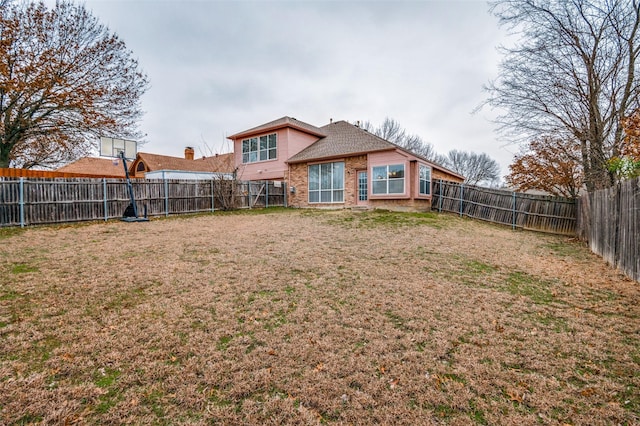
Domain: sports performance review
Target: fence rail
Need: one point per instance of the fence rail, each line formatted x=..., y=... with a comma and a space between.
x=610, y=220
x=32, y=201
x=532, y=212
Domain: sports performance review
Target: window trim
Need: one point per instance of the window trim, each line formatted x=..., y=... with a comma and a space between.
x=331, y=190
x=387, y=179
x=258, y=151
x=420, y=193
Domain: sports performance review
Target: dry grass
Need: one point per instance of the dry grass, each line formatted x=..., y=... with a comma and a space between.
x=306, y=317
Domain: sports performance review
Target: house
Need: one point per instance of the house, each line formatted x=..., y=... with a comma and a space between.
x=155, y=166
x=339, y=165
x=159, y=166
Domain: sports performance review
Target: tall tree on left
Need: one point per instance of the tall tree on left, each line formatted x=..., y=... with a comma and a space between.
x=64, y=81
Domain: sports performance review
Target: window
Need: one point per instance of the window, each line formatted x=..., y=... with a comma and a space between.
x=388, y=179
x=362, y=186
x=326, y=183
x=259, y=149
x=425, y=180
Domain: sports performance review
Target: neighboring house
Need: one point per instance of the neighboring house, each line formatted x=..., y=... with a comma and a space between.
x=157, y=166
x=337, y=165
x=98, y=167
x=182, y=168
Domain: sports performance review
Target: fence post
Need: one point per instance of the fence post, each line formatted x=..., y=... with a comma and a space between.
x=513, y=224
x=21, y=201
x=104, y=192
x=461, y=197
x=166, y=195
x=285, y=183
x=266, y=193
x=213, y=198
x=440, y=198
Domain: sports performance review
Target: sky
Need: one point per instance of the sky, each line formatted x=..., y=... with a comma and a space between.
x=220, y=67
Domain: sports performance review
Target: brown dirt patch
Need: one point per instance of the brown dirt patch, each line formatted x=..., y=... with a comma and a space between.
x=306, y=317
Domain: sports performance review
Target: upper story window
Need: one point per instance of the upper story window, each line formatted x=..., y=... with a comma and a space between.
x=388, y=179
x=259, y=148
x=425, y=180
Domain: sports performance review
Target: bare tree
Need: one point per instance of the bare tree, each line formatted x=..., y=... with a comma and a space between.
x=393, y=132
x=64, y=81
x=476, y=168
x=573, y=74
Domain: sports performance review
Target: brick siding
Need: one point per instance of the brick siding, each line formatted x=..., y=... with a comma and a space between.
x=298, y=178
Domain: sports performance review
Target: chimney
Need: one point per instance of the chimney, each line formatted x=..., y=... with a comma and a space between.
x=189, y=153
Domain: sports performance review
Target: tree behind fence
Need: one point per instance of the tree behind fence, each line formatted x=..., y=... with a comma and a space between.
x=45, y=201
x=610, y=220
x=525, y=211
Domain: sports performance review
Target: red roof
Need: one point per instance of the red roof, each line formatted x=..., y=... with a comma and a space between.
x=99, y=167
x=221, y=163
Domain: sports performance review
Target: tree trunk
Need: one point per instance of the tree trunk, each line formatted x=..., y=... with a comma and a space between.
x=4, y=156
x=586, y=165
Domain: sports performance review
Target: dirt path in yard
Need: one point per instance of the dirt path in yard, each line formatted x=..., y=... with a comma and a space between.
x=307, y=317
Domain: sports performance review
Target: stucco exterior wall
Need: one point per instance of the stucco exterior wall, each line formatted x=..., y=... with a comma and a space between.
x=289, y=142
x=387, y=158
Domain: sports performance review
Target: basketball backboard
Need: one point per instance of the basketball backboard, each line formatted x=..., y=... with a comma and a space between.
x=111, y=147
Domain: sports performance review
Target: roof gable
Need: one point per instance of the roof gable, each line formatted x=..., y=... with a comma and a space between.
x=280, y=124
x=342, y=139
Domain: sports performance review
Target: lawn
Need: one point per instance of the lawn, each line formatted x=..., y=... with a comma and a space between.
x=308, y=317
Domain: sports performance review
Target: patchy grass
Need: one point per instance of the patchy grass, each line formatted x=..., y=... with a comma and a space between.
x=569, y=248
x=528, y=285
x=10, y=232
x=303, y=317
x=23, y=268
x=106, y=380
x=385, y=218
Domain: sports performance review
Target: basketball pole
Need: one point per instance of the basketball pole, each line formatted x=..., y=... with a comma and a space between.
x=133, y=204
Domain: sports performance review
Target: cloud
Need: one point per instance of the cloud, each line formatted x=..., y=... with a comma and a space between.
x=219, y=67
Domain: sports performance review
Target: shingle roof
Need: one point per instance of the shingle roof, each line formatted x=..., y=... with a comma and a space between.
x=223, y=163
x=345, y=139
x=103, y=167
x=342, y=139
x=278, y=124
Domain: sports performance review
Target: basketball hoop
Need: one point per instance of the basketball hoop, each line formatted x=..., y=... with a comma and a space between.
x=111, y=147
x=121, y=149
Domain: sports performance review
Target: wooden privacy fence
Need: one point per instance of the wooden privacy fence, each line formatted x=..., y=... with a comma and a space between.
x=533, y=212
x=610, y=220
x=26, y=201
x=28, y=173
